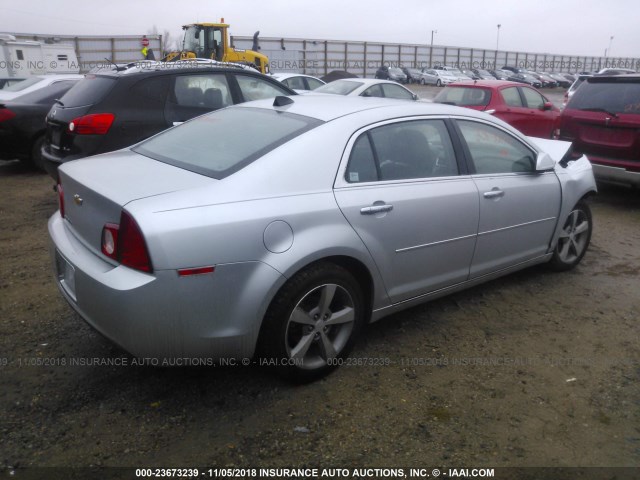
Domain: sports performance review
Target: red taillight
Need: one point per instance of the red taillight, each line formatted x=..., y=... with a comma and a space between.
x=60, y=191
x=94, y=124
x=125, y=243
x=6, y=114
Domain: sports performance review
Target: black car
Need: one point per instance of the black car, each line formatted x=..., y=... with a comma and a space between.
x=500, y=74
x=391, y=73
x=483, y=74
x=22, y=124
x=525, y=78
x=114, y=109
x=413, y=74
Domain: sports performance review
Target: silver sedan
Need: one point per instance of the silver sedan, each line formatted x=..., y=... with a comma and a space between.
x=277, y=229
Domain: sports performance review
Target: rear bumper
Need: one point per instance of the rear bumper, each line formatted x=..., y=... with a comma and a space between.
x=162, y=315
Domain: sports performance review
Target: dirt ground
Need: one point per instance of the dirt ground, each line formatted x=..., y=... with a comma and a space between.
x=534, y=369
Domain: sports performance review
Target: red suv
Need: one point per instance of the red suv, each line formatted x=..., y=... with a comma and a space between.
x=521, y=106
x=602, y=119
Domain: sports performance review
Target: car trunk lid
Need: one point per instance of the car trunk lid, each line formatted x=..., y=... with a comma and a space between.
x=96, y=189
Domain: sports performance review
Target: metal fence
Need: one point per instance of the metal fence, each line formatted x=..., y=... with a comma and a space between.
x=319, y=57
x=93, y=50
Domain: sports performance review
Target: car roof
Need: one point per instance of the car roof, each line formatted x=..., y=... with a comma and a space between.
x=285, y=75
x=485, y=83
x=330, y=107
x=156, y=68
x=366, y=81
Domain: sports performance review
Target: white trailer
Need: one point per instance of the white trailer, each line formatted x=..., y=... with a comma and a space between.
x=20, y=59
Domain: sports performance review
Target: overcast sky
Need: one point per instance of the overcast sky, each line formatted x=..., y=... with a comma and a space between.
x=571, y=27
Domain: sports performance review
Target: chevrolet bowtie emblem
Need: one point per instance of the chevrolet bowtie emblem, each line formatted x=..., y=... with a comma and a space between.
x=77, y=200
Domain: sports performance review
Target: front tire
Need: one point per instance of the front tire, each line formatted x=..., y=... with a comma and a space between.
x=574, y=238
x=313, y=322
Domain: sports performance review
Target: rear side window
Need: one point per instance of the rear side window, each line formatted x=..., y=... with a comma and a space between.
x=89, y=91
x=225, y=141
x=209, y=91
x=613, y=97
x=405, y=150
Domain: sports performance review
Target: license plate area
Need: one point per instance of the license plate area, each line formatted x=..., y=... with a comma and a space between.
x=66, y=275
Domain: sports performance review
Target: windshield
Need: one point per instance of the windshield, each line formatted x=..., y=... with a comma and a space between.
x=339, y=87
x=193, y=39
x=464, y=96
x=223, y=142
x=614, y=97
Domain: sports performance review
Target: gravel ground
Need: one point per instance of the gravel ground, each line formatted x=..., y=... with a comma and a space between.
x=534, y=369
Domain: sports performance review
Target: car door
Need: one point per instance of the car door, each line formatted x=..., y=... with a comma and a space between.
x=542, y=119
x=401, y=189
x=518, y=206
x=513, y=111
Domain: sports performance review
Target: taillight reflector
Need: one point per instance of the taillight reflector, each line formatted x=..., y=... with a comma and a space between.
x=185, y=272
x=125, y=243
x=94, y=124
x=110, y=240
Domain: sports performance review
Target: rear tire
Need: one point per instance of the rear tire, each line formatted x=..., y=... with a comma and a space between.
x=36, y=153
x=313, y=322
x=574, y=238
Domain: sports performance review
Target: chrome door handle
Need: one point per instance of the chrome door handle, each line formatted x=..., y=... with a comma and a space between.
x=494, y=194
x=376, y=209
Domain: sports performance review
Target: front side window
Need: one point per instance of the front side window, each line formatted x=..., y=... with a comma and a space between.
x=255, y=88
x=396, y=91
x=314, y=83
x=533, y=98
x=400, y=151
x=374, y=91
x=295, y=82
x=512, y=97
x=495, y=151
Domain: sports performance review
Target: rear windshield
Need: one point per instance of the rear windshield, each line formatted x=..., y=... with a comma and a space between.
x=613, y=97
x=223, y=142
x=339, y=87
x=463, y=96
x=89, y=91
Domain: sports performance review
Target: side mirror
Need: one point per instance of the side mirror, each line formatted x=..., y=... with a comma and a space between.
x=544, y=162
x=415, y=96
x=547, y=106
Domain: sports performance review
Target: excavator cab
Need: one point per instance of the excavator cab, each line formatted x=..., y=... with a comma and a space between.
x=205, y=40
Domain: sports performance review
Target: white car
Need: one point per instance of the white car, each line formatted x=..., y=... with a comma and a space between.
x=367, y=87
x=298, y=81
x=33, y=83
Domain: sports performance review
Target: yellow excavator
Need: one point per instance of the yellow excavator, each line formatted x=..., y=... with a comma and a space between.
x=211, y=41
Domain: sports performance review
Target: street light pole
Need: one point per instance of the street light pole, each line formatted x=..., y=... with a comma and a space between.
x=498, y=38
x=431, y=49
x=609, y=49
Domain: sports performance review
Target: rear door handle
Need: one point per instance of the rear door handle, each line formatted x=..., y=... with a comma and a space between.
x=494, y=194
x=376, y=209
